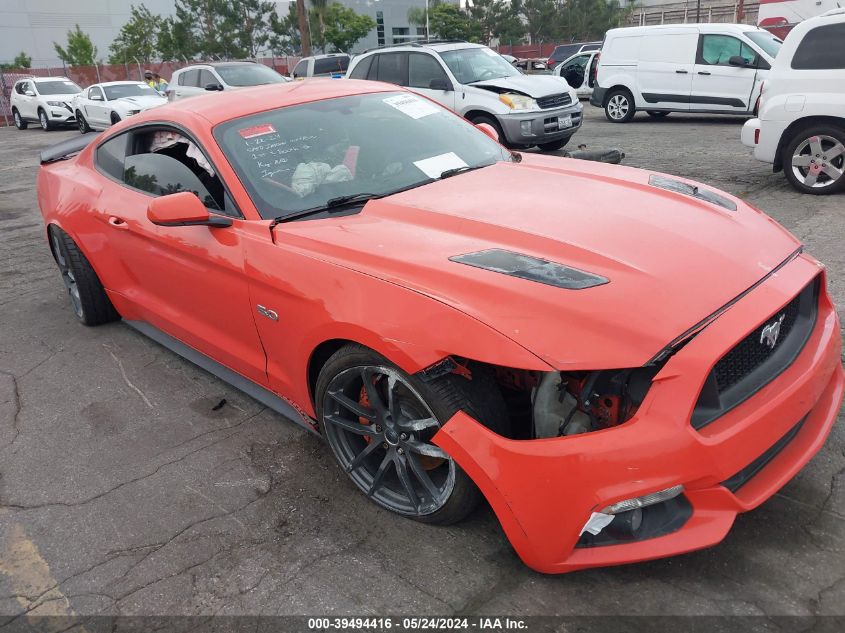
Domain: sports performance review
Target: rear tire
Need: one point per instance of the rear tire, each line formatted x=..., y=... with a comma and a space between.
x=814, y=160
x=19, y=122
x=619, y=107
x=46, y=125
x=90, y=302
x=657, y=114
x=363, y=436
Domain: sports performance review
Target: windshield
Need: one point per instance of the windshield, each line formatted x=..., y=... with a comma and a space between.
x=129, y=90
x=249, y=75
x=58, y=87
x=477, y=64
x=765, y=40
x=301, y=157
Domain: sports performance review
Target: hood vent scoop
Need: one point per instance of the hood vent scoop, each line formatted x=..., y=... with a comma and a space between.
x=530, y=268
x=670, y=184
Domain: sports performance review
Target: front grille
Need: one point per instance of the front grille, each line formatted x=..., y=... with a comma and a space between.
x=751, y=351
x=554, y=101
x=755, y=361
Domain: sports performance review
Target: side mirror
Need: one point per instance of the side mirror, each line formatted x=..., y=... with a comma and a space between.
x=738, y=60
x=183, y=209
x=96, y=97
x=213, y=87
x=489, y=130
x=29, y=93
x=439, y=84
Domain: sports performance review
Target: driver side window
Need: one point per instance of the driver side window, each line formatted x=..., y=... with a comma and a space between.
x=163, y=161
x=716, y=50
x=423, y=69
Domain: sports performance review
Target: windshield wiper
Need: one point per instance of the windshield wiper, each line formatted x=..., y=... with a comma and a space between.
x=460, y=170
x=342, y=201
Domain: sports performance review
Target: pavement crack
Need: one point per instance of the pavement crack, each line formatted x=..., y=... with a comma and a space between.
x=16, y=401
x=126, y=378
x=74, y=504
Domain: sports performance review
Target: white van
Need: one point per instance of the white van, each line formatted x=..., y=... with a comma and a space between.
x=714, y=68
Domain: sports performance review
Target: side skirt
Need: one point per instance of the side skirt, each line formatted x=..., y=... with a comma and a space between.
x=250, y=388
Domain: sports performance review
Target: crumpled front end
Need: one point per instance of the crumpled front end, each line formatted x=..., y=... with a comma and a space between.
x=544, y=491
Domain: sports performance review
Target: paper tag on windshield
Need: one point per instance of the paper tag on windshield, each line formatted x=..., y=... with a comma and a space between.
x=414, y=107
x=436, y=165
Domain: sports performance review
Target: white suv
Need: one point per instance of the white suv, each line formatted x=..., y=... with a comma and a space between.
x=197, y=79
x=801, y=128
x=481, y=85
x=43, y=100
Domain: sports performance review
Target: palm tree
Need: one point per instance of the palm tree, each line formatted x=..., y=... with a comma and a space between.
x=320, y=7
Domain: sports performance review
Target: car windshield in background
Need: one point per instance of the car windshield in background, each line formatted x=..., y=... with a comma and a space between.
x=470, y=65
x=307, y=156
x=129, y=90
x=248, y=75
x=57, y=88
x=768, y=42
x=328, y=65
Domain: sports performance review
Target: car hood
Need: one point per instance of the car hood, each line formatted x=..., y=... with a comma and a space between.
x=62, y=98
x=531, y=85
x=671, y=259
x=142, y=102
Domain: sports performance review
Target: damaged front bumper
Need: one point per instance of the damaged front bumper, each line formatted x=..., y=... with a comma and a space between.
x=544, y=491
x=541, y=126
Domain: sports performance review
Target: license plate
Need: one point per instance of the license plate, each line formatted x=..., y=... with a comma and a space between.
x=564, y=122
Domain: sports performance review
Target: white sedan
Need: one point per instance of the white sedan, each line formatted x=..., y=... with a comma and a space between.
x=103, y=105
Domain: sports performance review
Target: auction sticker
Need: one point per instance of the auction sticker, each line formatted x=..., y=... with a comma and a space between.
x=436, y=165
x=414, y=107
x=257, y=130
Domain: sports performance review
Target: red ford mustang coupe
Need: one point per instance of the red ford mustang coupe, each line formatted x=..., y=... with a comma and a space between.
x=618, y=361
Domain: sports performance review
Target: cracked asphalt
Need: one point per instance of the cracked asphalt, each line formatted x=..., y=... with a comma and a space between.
x=126, y=489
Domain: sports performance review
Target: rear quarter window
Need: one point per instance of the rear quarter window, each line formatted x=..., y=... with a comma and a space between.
x=821, y=49
x=361, y=68
x=111, y=156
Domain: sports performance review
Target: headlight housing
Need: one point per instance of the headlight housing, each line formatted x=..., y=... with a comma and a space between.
x=517, y=101
x=58, y=104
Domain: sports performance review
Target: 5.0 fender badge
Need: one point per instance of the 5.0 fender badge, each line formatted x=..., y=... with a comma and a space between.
x=270, y=314
x=770, y=333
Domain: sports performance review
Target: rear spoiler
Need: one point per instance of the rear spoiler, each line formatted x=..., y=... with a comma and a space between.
x=67, y=148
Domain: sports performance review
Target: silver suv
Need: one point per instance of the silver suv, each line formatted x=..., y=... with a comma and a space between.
x=481, y=85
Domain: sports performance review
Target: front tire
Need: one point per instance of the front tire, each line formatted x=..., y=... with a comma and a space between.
x=814, y=160
x=44, y=120
x=84, y=128
x=19, y=122
x=619, y=107
x=115, y=118
x=90, y=302
x=379, y=421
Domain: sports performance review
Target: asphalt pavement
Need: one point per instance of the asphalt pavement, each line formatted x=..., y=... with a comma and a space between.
x=125, y=488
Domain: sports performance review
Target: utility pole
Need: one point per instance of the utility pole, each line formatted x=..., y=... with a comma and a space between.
x=304, y=35
x=698, y=11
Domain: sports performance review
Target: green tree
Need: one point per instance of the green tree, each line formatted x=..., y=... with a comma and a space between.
x=284, y=32
x=174, y=40
x=590, y=19
x=252, y=21
x=495, y=18
x=80, y=49
x=344, y=27
x=318, y=14
x=137, y=38
x=448, y=22
x=21, y=60
x=225, y=29
x=541, y=18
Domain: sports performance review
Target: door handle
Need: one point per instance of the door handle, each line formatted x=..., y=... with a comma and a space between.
x=682, y=72
x=703, y=72
x=118, y=223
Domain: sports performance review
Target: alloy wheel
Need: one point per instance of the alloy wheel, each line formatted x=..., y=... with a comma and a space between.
x=618, y=106
x=17, y=119
x=380, y=430
x=68, y=277
x=819, y=161
x=42, y=116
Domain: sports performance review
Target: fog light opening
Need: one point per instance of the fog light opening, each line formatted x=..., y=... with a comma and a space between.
x=525, y=126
